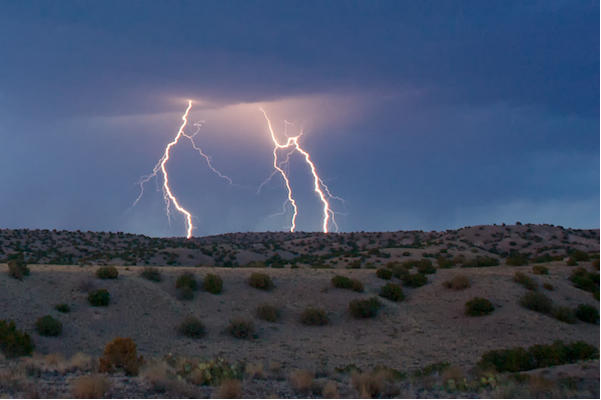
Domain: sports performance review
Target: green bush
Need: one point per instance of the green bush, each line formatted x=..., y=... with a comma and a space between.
x=314, y=316
x=99, y=298
x=579, y=255
x=186, y=280
x=17, y=268
x=478, y=306
x=241, y=328
x=13, y=342
x=415, y=280
x=384, y=273
x=479, y=262
x=398, y=270
x=191, y=327
x=260, y=281
x=445, y=262
x=367, y=308
x=564, y=314
x=540, y=270
x=107, y=273
x=392, y=292
x=585, y=280
x=48, y=326
x=517, y=259
x=64, y=308
x=213, y=283
x=536, y=301
x=524, y=280
x=425, y=266
x=342, y=282
x=548, y=286
x=587, y=313
x=539, y=356
x=152, y=274
x=269, y=313
x=571, y=262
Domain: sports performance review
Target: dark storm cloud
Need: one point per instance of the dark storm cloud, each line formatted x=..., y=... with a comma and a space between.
x=472, y=105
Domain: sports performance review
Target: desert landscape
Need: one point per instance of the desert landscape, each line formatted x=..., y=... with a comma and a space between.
x=365, y=314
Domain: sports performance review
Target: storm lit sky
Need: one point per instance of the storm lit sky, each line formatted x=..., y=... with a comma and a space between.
x=421, y=114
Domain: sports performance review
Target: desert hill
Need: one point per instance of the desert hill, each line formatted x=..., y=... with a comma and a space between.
x=542, y=242
x=391, y=314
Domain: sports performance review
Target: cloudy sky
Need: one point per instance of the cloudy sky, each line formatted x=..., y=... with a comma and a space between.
x=421, y=115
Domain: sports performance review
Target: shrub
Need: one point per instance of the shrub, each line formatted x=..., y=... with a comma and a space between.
x=48, y=326
x=517, y=259
x=458, y=282
x=539, y=356
x=540, y=270
x=122, y=354
x=445, y=262
x=13, y=342
x=191, y=327
x=478, y=262
x=90, y=387
x=587, y=313
x=301, y=381
x=267, y=312
x=585, y=280
x=571, y=262
x=64, y=308
x=99, y=298
x=579, y=255
x=415, y=280
x=384, y=273
x=537, y=302
x=107, y=273
x=17, y=268
x=524, y=280
x=314, y=317
x=392, y=292
x=152, y=274
x=260, y=281
x=367, y=308
x=564, y=314
x=186, y=280
x=425, y=267
x=213, y=284
x=478, y=306
x=548, y=286
x=342, y=282
x=241, y=328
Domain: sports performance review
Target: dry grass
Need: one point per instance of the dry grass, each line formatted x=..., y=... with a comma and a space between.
x=370, y=384
x=541, y=387
x=90, y=387
x=158, y=374
x=254, y=370
x=301, y=381
x=453, y=372
x=330, y=390
x=229, y=389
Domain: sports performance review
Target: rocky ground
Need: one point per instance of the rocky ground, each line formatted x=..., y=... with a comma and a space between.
x=422, y=346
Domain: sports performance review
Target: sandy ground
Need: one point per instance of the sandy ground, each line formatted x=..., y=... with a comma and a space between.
x=429, y=326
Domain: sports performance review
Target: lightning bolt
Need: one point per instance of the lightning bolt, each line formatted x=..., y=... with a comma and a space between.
x=168, y=195
x=320, y=188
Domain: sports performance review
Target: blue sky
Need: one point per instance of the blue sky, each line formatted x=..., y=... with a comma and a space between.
x=421, y=115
